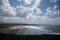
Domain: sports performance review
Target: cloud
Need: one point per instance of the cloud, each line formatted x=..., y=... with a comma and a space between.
x=52, y=11
x=9, y=10
x=21, y=11
x=32, y=20
x=36, y=11
x=6, y=8
x=30, y=4
x=32, y=14
x=18, y=0
x=27, y=1
x=55, y=7
x=37, y=2
x=54, y=1
x=32, y=17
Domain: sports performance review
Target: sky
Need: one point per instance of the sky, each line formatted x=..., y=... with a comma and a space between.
x=30, y=11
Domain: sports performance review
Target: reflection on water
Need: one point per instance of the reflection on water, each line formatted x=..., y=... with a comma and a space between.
x=30, y=30
x=38, y=30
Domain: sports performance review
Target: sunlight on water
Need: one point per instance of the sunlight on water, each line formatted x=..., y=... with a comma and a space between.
x=35, y=30
x=35, y=27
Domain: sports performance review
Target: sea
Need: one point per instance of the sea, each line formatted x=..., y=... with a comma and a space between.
x=24, y=29
x=39, y=30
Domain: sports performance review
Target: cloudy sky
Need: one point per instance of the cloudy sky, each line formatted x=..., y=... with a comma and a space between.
x=30, y=11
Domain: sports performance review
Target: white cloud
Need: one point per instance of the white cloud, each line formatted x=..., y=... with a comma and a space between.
x=52, y=11
x=27, y=1
x=48, y=11
x=42, y=20
x=37, y=2
x=55, y=7
x=21, y=11
x=30, y=18
x=33, y=10
x=36, y=11
x=7, y=8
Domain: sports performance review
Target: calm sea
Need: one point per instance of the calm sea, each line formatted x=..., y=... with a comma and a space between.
x=38, y=30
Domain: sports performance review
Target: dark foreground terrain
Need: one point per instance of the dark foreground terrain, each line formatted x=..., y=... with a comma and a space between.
x=27, y=37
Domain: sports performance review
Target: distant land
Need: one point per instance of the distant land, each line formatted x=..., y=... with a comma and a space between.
x=27, y=24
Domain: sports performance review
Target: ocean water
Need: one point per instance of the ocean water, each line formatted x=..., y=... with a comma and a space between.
x=39, y=30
